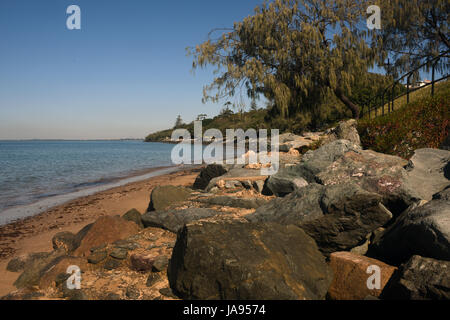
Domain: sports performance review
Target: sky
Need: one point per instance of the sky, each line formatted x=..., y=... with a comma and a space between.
x=123, y=75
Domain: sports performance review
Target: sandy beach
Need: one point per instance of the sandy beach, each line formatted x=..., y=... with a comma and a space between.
x=34, y=234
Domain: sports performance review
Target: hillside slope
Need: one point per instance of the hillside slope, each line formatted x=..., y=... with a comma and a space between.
x=424, y=123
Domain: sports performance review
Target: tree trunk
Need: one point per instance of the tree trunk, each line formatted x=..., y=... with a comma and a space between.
x=354, y=108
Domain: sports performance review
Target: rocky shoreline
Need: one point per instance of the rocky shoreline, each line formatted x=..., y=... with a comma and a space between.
x=335, y=222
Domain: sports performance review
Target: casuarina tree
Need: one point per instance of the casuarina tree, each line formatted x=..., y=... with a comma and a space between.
x=293, y=52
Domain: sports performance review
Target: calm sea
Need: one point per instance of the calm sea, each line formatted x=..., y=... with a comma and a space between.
x=35, y=172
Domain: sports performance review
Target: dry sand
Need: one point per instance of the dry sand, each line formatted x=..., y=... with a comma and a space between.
x=34, y=234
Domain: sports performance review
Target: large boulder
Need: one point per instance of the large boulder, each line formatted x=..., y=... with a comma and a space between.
x=352, y=272
x=135, y=216
x=345, y=130
x=57, y=274
x=19, y=263
x=164, y=196
x=420, y=230
x=338, y=217
x=35, y=268
x=209, y=172
x=64, y=240
x=173, y=220
x=104, y=231
x=375, y=172
x=235, y=260
x=285, y=182
x=294, y=177
x=341, y=162
x=428, y=172
x=420, y=279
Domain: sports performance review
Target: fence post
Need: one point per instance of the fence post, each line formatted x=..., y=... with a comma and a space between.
x=393, y=96
x=407, y=89
x=432, y=78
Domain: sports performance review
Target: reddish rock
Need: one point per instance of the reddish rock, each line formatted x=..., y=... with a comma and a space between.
x=104, y=231
x=351, y=276
x=142, y=261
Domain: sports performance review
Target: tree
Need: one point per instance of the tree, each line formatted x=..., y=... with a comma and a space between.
x=413, y=32
x=294, y=52
x=178, y=122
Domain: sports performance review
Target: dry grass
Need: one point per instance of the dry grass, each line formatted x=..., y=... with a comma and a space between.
x=413, y=96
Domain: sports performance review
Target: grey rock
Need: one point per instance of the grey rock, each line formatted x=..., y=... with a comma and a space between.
x=238, y=173
x=64, y=240
x=209, y=172
x=420, y=230
x=420, y=279
x=18, y=264
x=428, y=172
x=285, y=182
x=235, y=260
x=311, y=164
x=35, y=268
x=165, y=196
x=173, y=220
x=338, y=217
x=345, y=130
x=342, y=162
x=135, y=216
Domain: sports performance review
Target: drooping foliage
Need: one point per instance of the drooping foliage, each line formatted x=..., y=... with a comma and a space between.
x=293, y=52
x=412, y=33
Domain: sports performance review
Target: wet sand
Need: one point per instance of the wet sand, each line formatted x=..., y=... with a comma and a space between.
x=34, y=234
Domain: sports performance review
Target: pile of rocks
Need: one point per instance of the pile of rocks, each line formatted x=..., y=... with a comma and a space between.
x=337, y=222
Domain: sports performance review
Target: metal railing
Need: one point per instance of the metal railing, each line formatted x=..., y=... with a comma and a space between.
x=388, y=94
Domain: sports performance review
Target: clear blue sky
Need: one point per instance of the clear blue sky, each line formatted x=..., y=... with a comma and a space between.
x=124, y=74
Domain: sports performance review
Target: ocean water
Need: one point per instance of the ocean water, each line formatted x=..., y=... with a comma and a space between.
x=38, y=171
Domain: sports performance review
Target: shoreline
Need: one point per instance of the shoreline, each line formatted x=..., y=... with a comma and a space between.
x=16, y=213
x=34, y=234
